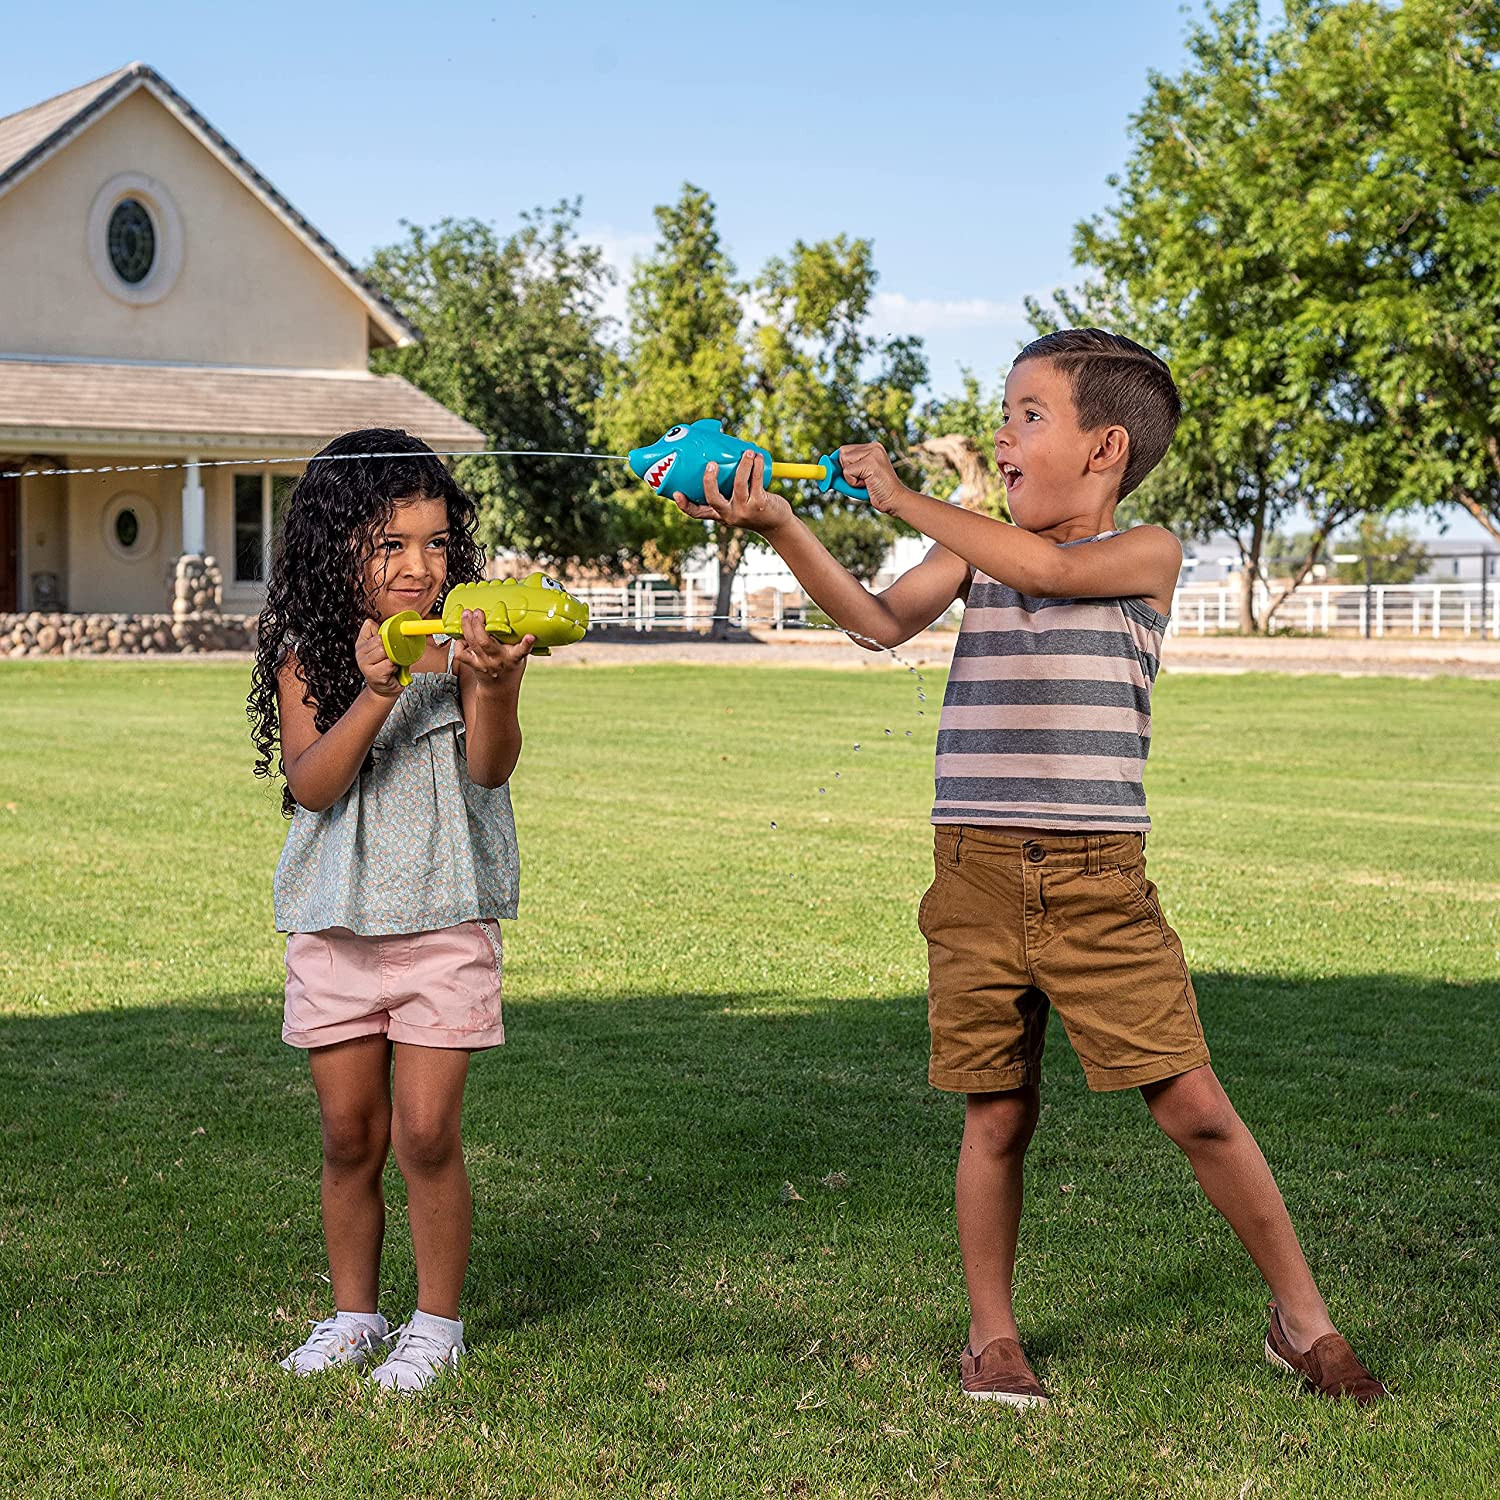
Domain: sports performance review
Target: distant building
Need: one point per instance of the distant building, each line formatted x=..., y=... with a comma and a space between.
x=161, y=302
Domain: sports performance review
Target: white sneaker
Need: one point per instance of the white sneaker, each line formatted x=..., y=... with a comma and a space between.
x=420, y=1356
x=339, y=1340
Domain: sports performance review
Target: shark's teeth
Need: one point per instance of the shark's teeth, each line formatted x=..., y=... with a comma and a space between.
x=658, y=471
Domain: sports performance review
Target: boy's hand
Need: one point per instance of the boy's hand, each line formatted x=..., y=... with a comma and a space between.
x=749, y=505
x=868, y=466
x=381, y=674
x=489, y=659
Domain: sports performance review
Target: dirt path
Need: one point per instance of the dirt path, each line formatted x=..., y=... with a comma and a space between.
x=1391, y=657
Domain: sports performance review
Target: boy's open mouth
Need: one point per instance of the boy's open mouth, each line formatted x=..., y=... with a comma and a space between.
x=1010, y=476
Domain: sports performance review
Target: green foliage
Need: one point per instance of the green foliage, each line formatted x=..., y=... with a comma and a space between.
x=1305, y=231
x=512, y=340
x=858, y=539
x=684, y=357
x=786, y=360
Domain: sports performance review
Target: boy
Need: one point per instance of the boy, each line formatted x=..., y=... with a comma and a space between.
x=1040, y=894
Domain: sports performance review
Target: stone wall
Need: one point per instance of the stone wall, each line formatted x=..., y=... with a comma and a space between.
x=37, y=634
x=195, y=624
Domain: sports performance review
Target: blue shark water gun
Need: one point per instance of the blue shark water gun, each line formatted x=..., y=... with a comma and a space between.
x=675, y=462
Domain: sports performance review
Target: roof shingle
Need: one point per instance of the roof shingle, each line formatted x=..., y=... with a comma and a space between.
x=213, y=406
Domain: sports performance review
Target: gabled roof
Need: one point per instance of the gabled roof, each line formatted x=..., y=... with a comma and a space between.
x=31, y=136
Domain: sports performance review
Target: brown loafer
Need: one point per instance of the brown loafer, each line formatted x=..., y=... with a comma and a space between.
x=999, y=1372
x=1330, y=1367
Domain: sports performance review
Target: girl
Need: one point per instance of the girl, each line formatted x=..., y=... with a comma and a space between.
x=400, y=857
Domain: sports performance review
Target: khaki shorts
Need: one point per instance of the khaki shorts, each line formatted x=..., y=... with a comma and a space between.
x=430, y=989
x=1017, y=921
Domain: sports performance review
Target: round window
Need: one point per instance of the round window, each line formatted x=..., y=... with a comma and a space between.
x=127, y=528
x=132, y=241
x=130, y=527
x=135, y=239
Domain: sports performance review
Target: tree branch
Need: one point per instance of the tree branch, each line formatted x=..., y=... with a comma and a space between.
x=1320, y=536
x=952, y=450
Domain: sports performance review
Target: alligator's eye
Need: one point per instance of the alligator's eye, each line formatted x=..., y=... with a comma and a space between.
x=673, y=433
x=552, y=583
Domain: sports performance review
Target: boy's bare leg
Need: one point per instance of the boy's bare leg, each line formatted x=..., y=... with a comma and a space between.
x=997, y=1130
x=1195, y=1112
x=353, y=1080
x=429, y=1151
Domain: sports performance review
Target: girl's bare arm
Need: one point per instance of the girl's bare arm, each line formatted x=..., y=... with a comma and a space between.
x=321, y=767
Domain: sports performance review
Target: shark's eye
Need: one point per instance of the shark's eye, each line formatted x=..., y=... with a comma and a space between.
x=552, y=583
x=673, y=433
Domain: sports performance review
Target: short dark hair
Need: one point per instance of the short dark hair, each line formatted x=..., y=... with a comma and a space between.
x=1116, y=383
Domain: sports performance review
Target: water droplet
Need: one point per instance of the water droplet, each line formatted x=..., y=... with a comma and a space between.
x=888, y=733
x=908, y=734
x=856, y=747
x=921, y=697
x=822, y=791
x=773, y=822
x=837, y=775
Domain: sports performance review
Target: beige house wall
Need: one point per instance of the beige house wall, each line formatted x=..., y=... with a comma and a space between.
x=63, y=531
x=248, y=292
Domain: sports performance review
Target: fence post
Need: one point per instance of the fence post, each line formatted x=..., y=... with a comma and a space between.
x=1380, y=610
x=1437, y=611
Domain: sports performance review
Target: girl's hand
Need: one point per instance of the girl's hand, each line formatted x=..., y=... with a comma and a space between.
x=490, y=660
x=868, y=466
x=750, y=505
x=381, y=674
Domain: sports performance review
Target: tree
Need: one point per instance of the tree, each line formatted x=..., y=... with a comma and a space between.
x=512, y=340
x=1409, y=208
x=1229, y=244
x=786, y=360
x=1389, y=553
x=684, y=357
x=956, y=447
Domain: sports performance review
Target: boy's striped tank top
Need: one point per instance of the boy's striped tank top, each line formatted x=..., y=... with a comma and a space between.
x=1047, y=718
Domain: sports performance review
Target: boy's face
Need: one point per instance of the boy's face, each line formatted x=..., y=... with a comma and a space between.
x=1041, y=451
x=409, y=564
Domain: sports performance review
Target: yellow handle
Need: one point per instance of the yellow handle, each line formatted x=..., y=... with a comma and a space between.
x=798, y=471
x=421, y=627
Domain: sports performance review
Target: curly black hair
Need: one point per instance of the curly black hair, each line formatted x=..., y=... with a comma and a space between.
x=315, y=598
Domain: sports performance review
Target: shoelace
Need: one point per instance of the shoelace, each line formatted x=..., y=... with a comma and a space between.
x=422, y=1349
x=330, y=1335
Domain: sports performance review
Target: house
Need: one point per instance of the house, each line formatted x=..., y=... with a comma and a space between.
x=162, y=303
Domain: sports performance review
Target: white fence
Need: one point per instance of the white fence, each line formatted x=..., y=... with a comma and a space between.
x=1389, y=609
x=641, y=607
x=1384, y=609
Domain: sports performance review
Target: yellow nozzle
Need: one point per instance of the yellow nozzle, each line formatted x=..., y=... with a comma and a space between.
x=798, y=471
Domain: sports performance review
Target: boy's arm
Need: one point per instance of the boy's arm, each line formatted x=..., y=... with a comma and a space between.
x=888, y=618
x=1141, y=563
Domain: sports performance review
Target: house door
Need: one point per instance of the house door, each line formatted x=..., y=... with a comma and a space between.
x=10, y=527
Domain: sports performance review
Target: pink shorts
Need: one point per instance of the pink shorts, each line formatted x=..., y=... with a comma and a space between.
x=432, y=989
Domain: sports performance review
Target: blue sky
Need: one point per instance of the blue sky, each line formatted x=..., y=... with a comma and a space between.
x=966, y=139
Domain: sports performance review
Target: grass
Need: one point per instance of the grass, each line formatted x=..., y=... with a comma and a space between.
x=702, y=1008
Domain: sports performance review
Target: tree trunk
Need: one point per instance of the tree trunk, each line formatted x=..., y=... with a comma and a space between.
x=729, y=545
x=982, y=490
x=1250, y=572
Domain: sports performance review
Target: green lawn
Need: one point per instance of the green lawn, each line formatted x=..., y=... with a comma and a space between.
x=701, y=1008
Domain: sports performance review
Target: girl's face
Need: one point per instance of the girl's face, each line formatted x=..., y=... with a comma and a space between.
x=409, y=564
